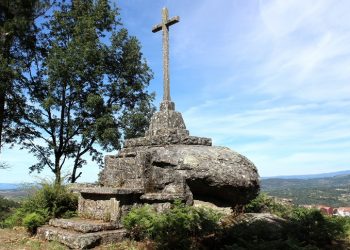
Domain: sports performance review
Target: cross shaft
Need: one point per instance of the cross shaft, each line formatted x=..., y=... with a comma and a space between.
x=164, y=26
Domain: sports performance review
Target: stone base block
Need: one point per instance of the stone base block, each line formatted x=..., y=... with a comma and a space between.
x=166, y=139
x=79, y=240
x=83, y=225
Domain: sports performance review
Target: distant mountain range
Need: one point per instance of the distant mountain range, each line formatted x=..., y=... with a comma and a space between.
x=9, y=186
x=310, y=176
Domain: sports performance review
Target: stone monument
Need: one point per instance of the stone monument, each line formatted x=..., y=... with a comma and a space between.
x=165, y=165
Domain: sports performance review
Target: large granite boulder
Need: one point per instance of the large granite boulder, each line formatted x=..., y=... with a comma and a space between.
x=215, y=174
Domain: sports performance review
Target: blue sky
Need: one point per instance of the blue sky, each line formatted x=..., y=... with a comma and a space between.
x=269, y=79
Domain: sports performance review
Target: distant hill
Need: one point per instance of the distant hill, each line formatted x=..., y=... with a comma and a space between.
x=15, y=191
x=333, y=191
x=9, y=186
x=310, y=176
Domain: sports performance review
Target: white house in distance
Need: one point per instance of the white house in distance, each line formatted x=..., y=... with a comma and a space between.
x=342, y=211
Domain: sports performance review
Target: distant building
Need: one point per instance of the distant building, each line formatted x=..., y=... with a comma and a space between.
x=326, y=210
x=342, y=211
x=307, y=206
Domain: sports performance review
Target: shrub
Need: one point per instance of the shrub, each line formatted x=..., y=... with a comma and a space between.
x=140, y=222
x=32, y=221
x=55, y=198
x=49, y=201
x=302, y=229
x=313, y=228
x=266, y=204
x=7, y=207
x=181, y=227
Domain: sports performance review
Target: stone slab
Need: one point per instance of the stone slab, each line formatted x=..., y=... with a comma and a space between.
x=83, y=225
x=167, y=139
x=162, y=197
x=79, y=240
x=111, y=191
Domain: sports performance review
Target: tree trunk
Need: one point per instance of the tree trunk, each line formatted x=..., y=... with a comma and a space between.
x=2, y=111
x=57, y=172
x=58, y=177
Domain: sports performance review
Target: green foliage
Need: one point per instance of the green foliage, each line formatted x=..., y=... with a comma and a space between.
x=17, y=44
x=141, y=221
x=313, y=228
x=49, y=201
x=87, y=87
x=32, y=221
x=266, y=204
x=181, y=227
x=305, y=229
x=300, y=228
x=6, y=208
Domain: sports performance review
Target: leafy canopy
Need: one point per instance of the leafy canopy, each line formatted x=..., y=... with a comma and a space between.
x=86, y=87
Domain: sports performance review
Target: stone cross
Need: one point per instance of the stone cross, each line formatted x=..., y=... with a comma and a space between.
x=164, y=26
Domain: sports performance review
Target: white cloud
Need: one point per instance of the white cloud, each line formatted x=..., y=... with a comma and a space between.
x=310, y=52
x=279, y=139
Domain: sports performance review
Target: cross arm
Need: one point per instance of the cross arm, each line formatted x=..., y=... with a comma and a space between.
x=156, y=28
x=171, y=21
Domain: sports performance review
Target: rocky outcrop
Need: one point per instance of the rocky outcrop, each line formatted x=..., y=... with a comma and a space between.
x=168, y=162
x=215, y=174
x=166, y=165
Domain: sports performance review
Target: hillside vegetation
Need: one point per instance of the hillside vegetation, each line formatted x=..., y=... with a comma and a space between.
x=332, y=191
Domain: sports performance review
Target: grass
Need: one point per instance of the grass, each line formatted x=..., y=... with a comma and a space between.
x=19, y=239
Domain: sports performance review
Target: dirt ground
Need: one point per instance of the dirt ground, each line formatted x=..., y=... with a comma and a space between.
x=19, y=239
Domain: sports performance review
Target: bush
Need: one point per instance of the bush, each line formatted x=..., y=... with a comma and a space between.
x=49, y=201
x=140, y=222
x=181, y=227
x=302, y=229
x=266, y=204
x=311, y=227
x=55, y=198
x=32, y=221
x=7, y=207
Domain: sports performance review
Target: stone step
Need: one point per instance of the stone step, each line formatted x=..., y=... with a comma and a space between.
x=83, y=225
x=79, y=240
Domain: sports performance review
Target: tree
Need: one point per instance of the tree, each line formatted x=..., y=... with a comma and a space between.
x=3, y=165
x=17, y=43
x=82, y=88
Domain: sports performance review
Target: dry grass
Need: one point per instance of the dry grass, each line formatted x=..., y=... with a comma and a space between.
x=19, y=239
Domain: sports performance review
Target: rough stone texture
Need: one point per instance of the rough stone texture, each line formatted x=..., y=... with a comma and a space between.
x=83, y=225
x=271, y=225
x=169, y=138
x=222, y=210
x=79, y=240
x=108, y=204
x=215, y=174
x=167, y=122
